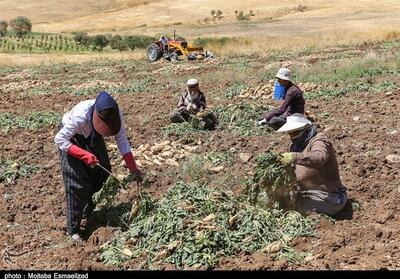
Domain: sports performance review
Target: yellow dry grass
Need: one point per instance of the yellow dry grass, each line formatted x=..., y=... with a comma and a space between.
x=264, y=46
x=159, y=15
x=9, y=59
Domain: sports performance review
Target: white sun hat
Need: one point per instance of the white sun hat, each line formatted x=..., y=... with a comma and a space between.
x=294, y=123
x=284, y=73
x=192, y=81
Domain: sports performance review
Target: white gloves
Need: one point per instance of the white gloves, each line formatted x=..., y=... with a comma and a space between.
x=191, y=107
x=262, y=122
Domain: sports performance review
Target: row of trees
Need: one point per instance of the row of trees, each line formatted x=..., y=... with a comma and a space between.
x=21, y=26
x=98, y=42
x=36, y=43
x=80, y=42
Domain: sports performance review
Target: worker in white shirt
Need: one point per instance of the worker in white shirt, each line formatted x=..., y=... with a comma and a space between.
x=81, y=145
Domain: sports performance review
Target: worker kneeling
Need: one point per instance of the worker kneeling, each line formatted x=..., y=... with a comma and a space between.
x=192, y=104
x=316, y=168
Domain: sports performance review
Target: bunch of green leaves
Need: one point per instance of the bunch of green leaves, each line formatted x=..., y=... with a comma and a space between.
x=270, y=176
x=192, y=126
x=240, y=118
x=179, y=129
x=194, y=225
x=108, y=191
x=234, y=90
x=223, y=157
x=112, y=186
x=11, y=171
x=31, y=121
x=193, y=168
x=122, y=214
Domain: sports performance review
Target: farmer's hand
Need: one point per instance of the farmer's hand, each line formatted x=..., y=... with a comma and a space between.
x=88, y=158
x=137, y=175
x=191, y=108
x=131, y=164
x=202, y=113
x=286, y=158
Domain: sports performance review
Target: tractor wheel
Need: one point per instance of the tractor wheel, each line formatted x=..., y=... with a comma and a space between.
x=153, y=52
x=173, y=57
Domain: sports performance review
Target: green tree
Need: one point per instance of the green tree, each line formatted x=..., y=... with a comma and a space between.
x=117, y=42
x=108, y=36
x=98, y=42
x=22, y=25
x=3, y=28
x=82, y=38
x=140, y=41
x=130, y=41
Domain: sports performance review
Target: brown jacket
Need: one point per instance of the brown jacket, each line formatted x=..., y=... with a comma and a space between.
x=316, y=166
x=293, y=103
x=199, y=102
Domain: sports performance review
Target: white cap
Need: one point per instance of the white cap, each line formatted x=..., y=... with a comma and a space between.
x=294, y=123
x=192, y=81
x=283, y=73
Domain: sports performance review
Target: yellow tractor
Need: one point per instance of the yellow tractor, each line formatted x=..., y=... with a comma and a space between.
x=171, y=50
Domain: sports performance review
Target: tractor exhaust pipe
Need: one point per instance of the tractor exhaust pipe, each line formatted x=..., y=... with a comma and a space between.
x=174, y=35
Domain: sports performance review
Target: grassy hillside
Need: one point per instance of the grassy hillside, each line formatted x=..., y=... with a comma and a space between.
x=156, y=15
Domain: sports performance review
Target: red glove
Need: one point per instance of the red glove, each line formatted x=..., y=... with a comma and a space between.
x=81, y=154
x=131, y=164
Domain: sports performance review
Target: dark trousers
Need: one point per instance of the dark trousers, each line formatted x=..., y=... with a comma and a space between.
x=179, y=116
x=276, y=122
x=209, y=120
x=81, y=181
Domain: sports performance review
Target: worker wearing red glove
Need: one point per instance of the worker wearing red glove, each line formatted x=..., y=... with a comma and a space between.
x=81, y=147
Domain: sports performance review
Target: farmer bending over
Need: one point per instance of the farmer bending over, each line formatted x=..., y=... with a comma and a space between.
x=81, y=147
x=316, y=168
x=293, y=102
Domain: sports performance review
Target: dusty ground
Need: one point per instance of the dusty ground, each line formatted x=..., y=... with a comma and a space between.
x=32, y=211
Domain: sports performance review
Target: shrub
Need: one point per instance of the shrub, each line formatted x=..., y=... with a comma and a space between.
x=98, y=42
x=117, y=42
x=242, y=16
x=3, y=28
x=82, y=38
x=22, y=25
x=139, y=41
x=204, y=41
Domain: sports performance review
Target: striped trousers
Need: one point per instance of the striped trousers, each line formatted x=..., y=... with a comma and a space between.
x=81, y=181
